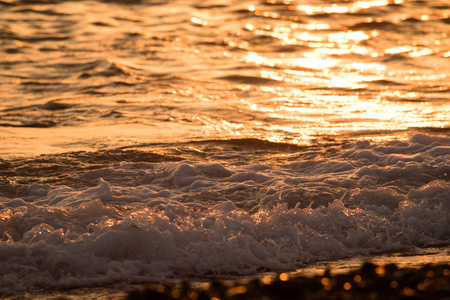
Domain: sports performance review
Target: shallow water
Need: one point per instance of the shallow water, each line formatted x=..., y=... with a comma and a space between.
x=101, y=74
x=218, y=137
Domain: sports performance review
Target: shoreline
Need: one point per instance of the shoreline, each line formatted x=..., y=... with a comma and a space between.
x=419, y=273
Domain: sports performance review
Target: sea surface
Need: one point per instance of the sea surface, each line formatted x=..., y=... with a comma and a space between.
x=147, y=140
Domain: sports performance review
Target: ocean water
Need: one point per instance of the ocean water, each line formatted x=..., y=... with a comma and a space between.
x=153, y=139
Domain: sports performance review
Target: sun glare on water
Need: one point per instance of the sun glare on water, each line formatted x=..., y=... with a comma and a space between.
x=277, y=70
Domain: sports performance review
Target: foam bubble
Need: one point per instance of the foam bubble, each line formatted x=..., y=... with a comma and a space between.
x=218, y=218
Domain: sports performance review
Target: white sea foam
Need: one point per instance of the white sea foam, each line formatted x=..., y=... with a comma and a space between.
x=217, y=218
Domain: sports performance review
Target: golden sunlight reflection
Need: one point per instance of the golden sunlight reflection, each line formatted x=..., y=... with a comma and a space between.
x=368, y=66
x=314, y=26
x=345, y=37
x=304, y=113
x=322, y=64
x=342, y=8
x=271, y=69
x=314, y=63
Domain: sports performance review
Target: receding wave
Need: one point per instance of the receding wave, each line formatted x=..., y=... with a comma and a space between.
x=140, y=216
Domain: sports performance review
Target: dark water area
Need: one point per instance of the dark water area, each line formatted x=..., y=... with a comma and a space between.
x=146, y=140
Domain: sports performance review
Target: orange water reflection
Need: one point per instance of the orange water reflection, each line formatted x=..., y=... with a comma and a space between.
x=370, y=87
x=281, y=70
x=343, y=8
